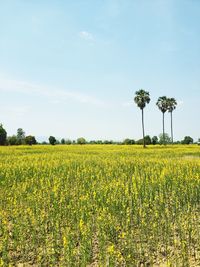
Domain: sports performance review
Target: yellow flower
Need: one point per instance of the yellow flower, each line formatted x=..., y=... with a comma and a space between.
x=111, y=249
x=81, y=225
x=65, y=242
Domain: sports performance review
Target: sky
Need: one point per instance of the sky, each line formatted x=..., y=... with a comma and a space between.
x=71, y=68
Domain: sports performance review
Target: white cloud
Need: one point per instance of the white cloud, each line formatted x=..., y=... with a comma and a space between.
x=55, y=95
x=86, y=35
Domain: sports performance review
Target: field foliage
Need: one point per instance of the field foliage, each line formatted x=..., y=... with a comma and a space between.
x=99, y=206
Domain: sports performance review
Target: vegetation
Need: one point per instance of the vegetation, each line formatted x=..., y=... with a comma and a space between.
x=147, y=140
x=128, y=141
x=142, y=98
x=12, y=140
x=81, y=141
x=187, y=140
x=3, y=135
x=99, y=206
x=171, y=107
x=62, y=141
x=68, y=142
x=30, y=140
x=162, y=104
x=20, y=136
x=164, y=139
x=52, y=140
x=154, y=140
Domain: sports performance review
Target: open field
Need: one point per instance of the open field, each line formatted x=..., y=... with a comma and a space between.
x=99, y=206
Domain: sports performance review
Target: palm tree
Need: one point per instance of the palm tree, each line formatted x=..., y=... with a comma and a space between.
x=142, y=98
x=171, y=107
x=162, y=104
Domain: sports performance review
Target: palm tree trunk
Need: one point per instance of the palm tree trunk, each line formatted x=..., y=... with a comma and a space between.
x=172, y=138
x=164, y=128
x=144, y=145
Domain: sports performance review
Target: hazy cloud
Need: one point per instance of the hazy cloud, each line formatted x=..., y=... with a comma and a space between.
x=86, y=35
x=55, y=95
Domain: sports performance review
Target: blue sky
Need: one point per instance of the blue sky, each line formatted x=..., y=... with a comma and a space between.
x=71, y=68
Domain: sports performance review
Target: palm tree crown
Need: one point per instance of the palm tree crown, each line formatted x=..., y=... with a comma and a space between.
x=172, y=104
x=142, y=98
x=162, y=103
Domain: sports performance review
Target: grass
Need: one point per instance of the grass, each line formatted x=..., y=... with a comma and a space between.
x=99, y=206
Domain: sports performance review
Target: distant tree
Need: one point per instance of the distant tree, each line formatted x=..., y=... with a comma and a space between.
x=92, y=142
x=147, y=139
x=44, y=143
x=52, y=140
x=81, y=141
x=140, y=142
x=171, y=107
x=177, y=142
x=108, y=142
x=30, y=140
x=132, y=142
x=142, y=98
x=164, y=139
x=12, y=140
x=198, y=142
x=3, y=135
x=162, y=104
x=68, y=142
x=187, y=140
x=62, y=141
x=154, y=140
x=128, y=141
x=20, y=136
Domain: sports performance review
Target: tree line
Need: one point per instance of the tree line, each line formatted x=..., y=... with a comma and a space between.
x=22, y=139
x=19, y=139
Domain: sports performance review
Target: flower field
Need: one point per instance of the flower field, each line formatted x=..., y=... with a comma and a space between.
x=99, y=206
